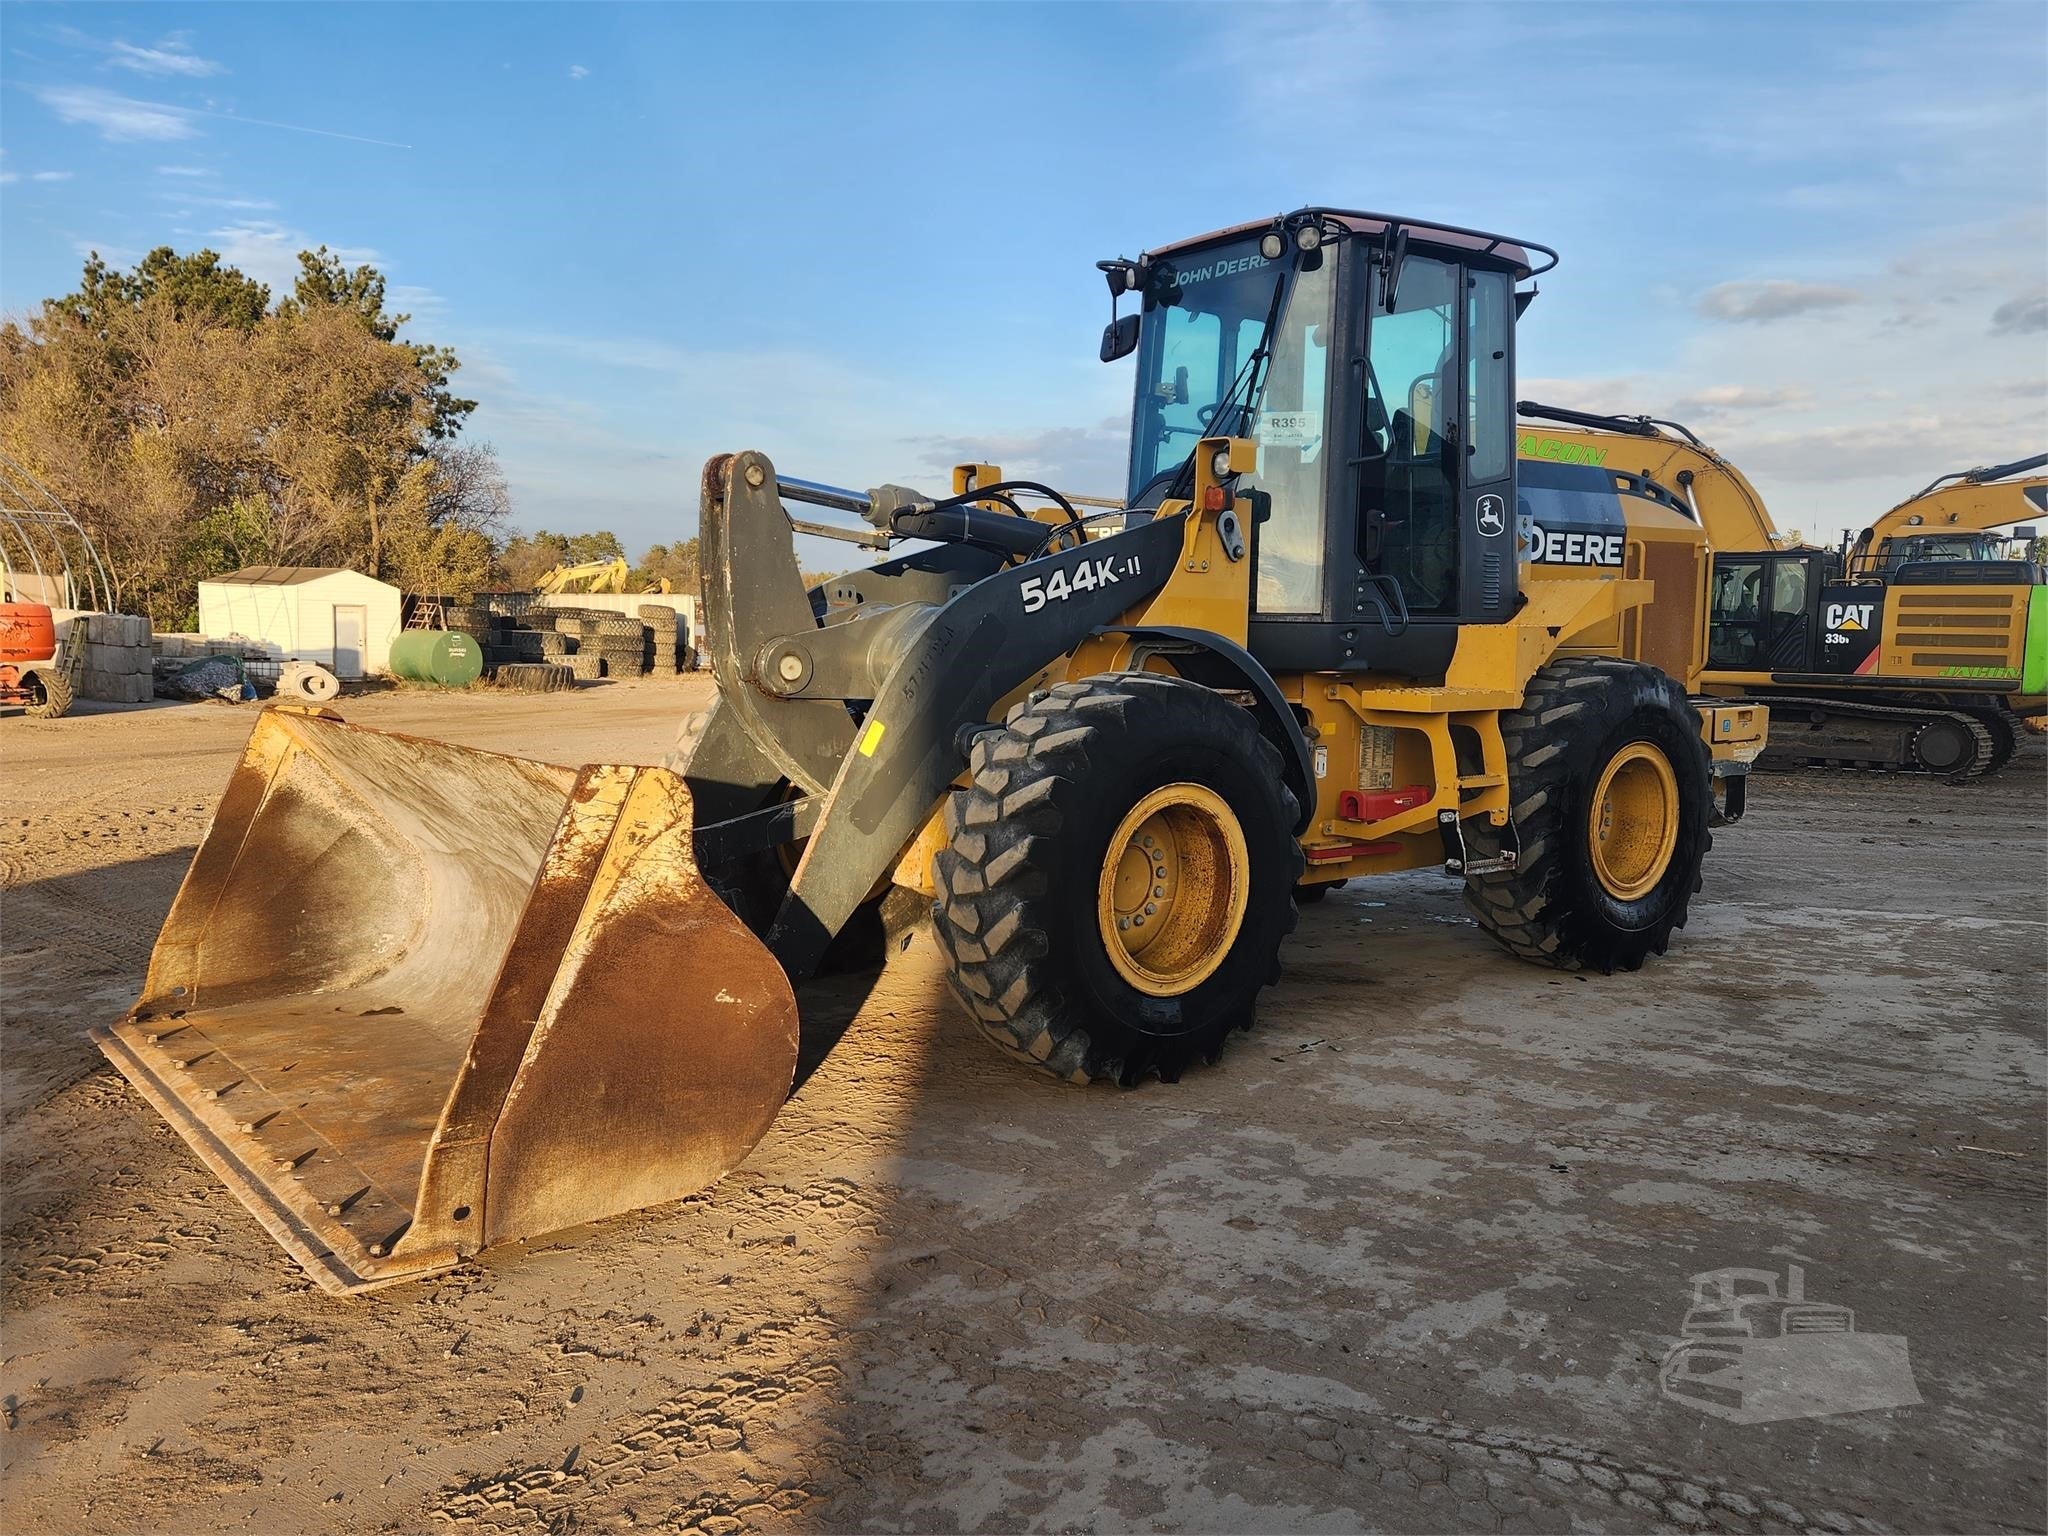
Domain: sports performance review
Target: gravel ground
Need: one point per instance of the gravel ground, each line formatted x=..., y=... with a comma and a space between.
x=1408, y=1258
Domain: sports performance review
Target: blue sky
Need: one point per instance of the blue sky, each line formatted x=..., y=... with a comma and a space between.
x=860, y=237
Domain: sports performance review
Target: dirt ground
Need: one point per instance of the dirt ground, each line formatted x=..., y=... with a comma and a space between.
x=1408, y=1258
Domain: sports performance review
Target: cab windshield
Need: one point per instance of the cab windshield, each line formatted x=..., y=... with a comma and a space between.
x=1204, y=318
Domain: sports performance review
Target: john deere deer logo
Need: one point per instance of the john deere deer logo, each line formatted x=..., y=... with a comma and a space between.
x=1753, y=1355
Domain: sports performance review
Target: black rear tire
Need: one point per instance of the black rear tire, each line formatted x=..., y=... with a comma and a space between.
x=51, y=692
x=1019, y=882
x=1577, y=718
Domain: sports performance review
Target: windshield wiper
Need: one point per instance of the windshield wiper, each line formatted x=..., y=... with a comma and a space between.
x=1251, y=379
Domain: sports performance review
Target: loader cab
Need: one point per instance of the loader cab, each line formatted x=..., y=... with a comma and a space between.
x=1375, y=371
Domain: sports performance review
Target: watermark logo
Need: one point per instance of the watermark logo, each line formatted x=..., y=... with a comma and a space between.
x=1753, y=1352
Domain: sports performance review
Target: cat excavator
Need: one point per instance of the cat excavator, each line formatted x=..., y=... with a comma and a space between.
x=1917, y=648
x=413, y=1000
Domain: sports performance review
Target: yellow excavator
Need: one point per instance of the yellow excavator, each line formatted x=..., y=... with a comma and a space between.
x=1956, y=518
x=606, y=576
x=413, y=1000
x=1922, y=646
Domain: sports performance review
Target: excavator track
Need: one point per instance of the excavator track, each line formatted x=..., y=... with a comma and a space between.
x=1988, y=750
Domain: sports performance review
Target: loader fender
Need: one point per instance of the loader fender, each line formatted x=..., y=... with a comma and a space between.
x=976, y=649
x=1215, y=661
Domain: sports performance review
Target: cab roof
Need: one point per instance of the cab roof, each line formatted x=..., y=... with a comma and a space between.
x=1526, y=257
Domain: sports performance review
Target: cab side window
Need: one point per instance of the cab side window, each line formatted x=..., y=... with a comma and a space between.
x=1409, y=521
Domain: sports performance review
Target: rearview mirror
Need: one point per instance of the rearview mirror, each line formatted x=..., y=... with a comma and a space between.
x=1119, y=338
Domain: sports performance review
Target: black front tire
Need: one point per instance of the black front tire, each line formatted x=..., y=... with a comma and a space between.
x=1552, y=908
x=1017, y=907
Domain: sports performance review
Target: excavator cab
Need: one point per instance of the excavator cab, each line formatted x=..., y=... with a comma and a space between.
x=1766, y=612
x=1373, y=363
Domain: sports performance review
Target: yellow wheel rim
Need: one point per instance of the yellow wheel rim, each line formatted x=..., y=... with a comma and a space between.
x=1632, y=824
x=1171, y=896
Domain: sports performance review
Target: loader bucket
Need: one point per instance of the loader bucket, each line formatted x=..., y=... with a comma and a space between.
x=413, y=1000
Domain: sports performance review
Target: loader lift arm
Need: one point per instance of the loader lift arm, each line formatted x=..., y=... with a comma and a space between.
x=878, y=695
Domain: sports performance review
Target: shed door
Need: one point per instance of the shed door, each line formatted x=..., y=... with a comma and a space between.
x=351, y=625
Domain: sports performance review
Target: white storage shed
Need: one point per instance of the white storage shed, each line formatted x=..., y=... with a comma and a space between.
x=342, y=619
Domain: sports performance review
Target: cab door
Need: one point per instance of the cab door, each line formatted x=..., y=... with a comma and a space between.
x=1436, y=471
x=1762, y=615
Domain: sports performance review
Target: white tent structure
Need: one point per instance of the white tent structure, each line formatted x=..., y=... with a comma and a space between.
x=342, y=619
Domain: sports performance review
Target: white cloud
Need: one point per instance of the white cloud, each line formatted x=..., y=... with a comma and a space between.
x=270, y=252
x=118, y=118
x=183, y=170
x=185, y=199
x=1619, y=394
x=1839, y=416
x=1732, y=399
x=8, y=176
x=1086, y=461
x=51, y=176
x=169, y=57
x=412, y=299
x=578, y=72
x=1773, y=299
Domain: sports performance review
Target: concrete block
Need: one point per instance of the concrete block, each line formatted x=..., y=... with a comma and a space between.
x=141, y=688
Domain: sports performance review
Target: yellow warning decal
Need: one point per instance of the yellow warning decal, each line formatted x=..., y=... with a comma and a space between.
x=871, y=738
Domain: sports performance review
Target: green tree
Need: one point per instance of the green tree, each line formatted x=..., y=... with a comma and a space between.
x=525, y=559
x=326, y=282
x=194, y=427
x=674, y=563
x=195, y=287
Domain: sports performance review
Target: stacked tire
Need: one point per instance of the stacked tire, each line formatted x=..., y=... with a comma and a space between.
x=615, y=639
x=662, y=630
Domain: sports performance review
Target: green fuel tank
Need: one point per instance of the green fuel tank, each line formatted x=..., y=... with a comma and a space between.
x=445, y=657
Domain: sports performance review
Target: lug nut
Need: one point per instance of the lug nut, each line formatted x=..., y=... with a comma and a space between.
x=1150, y=908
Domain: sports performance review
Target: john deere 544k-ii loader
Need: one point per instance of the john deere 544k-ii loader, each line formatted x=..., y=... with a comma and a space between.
x=413, y=999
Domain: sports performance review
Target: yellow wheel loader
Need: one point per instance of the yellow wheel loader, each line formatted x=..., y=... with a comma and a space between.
x=414, y=1000
x=1921, y=647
